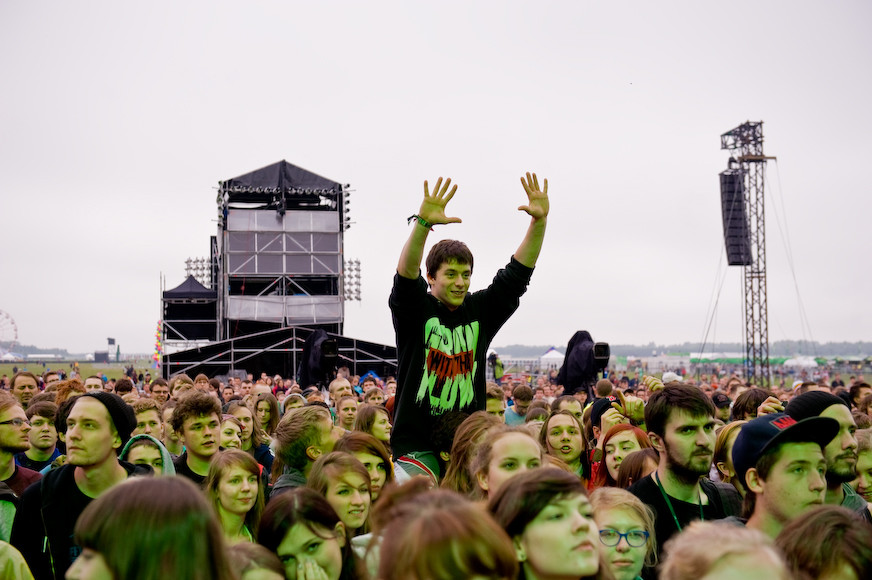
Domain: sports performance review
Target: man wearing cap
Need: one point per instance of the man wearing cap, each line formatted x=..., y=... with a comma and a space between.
x=98, y=425
x=781, y=462
x=840, y=453
x=722, y=403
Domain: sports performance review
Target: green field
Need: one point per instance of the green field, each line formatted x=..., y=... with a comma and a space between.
x=86, y=369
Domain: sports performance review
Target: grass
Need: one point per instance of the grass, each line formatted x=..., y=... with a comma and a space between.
x=86, y=369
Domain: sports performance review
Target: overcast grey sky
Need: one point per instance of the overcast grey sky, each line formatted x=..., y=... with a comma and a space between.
x=119, y=118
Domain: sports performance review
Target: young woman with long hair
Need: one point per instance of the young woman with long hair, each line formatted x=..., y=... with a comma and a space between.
x=303, y=530
x=440, y=535
x=255, y=441
x=373, y=455
x=235, y=490
x=507, y=452
x=266, y=409
x=376, y=421
x=620, y=441
x=549, y=517
x=345, y=482
x=562, y=437
x=150, y=528
x=468, y=436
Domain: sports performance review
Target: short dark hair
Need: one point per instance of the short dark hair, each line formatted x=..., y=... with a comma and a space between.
x=764, y=467
x=522, y=393
x=45, y=409
x=447, y=251
x=848, y=542
x=855, y=389
x=495, y=393
x=745, y=405
x=676, y=396
x=123, y=385
x=555, y=404
x=197, y=404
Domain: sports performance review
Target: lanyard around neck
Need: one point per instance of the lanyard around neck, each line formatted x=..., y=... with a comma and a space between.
x=669, y=503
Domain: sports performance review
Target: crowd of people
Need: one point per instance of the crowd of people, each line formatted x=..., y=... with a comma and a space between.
x=436, y=474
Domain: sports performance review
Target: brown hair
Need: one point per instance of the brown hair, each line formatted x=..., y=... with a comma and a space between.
x=366, y=416
x=246, y=557
x=447, y=251
x=466, y=439
x=297, y=431
x=221, y=463
x=543, y=436
x=332, y=466
x=633, y=466
x=197, y=404
x=848, y=541
x=307, y=507
x=676, y=397
x=258, y=435
x=522, y=498
x=27, y=374
x=721, y=449
x=145, y=404
x=484, y=453
x=440, y=535
x=45, y=409
x=615, y=498
x=167, y=516
x=359, y=442
x=273, y=410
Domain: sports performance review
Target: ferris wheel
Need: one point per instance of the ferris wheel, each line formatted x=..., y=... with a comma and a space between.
x=8, y=332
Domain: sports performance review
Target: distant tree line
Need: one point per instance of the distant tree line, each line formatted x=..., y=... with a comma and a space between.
x=777, y=348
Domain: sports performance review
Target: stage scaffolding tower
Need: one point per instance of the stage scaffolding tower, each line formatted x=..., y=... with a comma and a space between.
x=745, y=143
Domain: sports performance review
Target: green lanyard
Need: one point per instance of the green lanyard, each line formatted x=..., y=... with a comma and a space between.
x=669, y=503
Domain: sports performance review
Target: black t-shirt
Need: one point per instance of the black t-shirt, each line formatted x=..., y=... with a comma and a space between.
x=181, y=465
x=719, y=506
x=441, y=353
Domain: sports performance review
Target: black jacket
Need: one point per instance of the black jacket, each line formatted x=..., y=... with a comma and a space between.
x=47, y=514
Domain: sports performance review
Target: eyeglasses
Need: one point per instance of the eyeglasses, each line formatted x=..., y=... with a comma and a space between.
x=635, y=538
x=17, y=422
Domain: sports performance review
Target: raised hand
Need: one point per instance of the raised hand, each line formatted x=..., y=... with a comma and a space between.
x=537, y=200
x=433, y=206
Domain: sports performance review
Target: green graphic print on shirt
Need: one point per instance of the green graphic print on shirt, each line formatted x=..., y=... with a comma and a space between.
x=449, y=366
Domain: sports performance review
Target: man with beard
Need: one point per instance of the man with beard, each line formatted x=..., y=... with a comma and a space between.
x=681, y=426
x=14, y=429
x=841, y=453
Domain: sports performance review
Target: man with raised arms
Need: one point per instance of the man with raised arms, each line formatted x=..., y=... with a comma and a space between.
x=443, y=336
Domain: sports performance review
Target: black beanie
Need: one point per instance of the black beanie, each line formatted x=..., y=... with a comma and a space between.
x=811, y=404
x=121, y=413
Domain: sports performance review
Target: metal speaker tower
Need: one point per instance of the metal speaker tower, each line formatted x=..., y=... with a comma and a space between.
x=748, y=161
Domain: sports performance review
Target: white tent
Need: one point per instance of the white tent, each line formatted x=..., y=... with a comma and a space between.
x=805, y=362
x=553, y=358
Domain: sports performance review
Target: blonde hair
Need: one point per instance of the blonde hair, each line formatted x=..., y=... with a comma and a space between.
x=614, y=498
x=695, y=551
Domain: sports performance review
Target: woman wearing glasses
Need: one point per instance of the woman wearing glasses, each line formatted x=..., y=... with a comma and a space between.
x=626, y=531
